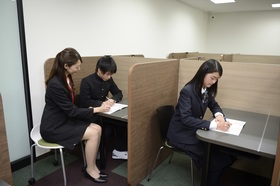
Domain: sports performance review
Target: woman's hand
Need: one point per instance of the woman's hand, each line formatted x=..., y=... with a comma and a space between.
x=103, y=108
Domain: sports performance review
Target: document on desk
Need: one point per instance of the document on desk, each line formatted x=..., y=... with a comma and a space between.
x=116, y=107
x=235, y=128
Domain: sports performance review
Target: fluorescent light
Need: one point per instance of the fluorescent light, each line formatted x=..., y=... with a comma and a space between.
x=222, y=1
x=277, y=5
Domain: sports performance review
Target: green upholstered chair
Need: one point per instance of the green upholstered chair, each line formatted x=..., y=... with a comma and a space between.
x=39, y=142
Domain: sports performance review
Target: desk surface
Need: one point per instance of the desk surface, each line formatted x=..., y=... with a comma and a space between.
x=120, y=115
x=259, y=135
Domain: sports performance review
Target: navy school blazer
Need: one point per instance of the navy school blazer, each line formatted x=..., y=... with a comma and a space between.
x=188, y=116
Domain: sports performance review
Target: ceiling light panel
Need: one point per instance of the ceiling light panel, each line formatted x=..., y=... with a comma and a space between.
x=277, y=5
x=222, y=1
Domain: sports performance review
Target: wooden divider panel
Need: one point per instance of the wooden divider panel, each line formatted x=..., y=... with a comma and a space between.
x=130, y=55
x=243, y=86
x=5, y=173
x=256, y=58
x=150, y=85
x=178, y=55
x=123, y=65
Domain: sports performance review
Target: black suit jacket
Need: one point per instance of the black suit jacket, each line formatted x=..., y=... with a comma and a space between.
x=188, y=116
x=63, y=122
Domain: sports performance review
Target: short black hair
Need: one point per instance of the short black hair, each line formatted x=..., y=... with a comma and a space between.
x=106, y=64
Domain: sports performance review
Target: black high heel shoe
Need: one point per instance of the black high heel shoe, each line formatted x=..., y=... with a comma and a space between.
x=103, y=174
x=96, y=180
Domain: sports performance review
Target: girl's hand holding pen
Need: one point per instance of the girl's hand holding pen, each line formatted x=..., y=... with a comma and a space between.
x=220, y=118
x=223, y=126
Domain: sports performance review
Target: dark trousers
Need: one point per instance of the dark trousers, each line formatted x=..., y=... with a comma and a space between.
x=117, y=130
x=218, y=159
x=121, y=138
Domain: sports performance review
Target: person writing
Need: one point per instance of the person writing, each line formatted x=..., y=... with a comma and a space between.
x=62, y=121
x=94, y=92
x=195, y=97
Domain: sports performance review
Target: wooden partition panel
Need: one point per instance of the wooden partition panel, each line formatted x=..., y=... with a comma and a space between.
x=150, y=85
x=5, y=173
x=201, y=56
x=179, y=55
x=243, y=86
x=256, y=58
x=130, y=55
x=205, y=56
x=124, y=63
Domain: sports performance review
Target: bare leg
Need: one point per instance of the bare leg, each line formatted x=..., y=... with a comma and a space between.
x=92, y=136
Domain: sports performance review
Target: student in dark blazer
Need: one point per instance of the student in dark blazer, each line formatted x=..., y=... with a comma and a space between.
x=64, y=123
x=94, y=92
x=198, y=94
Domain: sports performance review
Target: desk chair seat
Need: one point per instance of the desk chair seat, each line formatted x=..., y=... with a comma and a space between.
x=164, y=115
x=39, y=142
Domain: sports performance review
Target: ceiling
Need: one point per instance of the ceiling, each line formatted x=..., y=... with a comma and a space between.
x=238, y=6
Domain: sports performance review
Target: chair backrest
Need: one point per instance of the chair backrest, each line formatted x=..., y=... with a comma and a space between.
x=164, y=114
x=35, y=133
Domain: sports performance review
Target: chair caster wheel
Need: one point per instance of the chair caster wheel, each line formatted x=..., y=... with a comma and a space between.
x=55, y=163
x=31, y=181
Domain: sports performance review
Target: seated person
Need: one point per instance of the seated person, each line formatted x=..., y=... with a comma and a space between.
x=93, y=93
x=62, y=121
x=195, y=97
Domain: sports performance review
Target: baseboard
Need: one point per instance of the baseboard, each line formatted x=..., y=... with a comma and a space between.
x=20, y=163
x=25, y=161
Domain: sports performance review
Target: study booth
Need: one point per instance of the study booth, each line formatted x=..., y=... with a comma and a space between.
x=249, y=89
x=149, y=83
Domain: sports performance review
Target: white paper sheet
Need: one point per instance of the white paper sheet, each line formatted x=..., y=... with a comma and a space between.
x=235, y=128
x=116, y=107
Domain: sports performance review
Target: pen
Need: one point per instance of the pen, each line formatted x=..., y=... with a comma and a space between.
x=107, y=97
x=225, y=118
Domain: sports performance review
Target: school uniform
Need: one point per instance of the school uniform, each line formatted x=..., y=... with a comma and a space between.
x=93, y=93
x=187, y=119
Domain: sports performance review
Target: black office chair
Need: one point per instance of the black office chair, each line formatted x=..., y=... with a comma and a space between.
x=164, y=115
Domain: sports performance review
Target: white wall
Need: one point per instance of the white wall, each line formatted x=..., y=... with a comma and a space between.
x=245, y=33
x=154, y=28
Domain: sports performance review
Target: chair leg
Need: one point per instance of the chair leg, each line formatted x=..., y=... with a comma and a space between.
x=63, y=166
x=171, y=157
x=192, y=173
x=155, y=162
x=32, y=160
x=32, y=180
x=84, y=156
